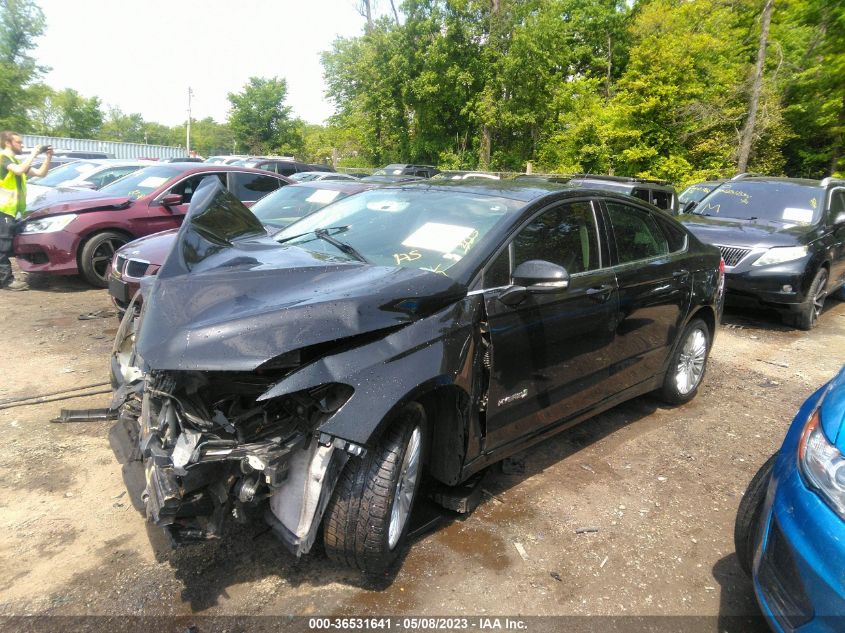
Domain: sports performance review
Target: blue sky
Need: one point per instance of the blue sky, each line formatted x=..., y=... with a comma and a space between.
x=141, y=55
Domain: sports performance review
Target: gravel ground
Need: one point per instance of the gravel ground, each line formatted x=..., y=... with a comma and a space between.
x=657, y=486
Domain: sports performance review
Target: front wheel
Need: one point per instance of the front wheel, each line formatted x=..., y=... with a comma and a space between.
x=688, y=364
x=367, y=517
x=96, y=257
x=809, y=312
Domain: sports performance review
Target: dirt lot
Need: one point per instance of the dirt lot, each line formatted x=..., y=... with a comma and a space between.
x=659, y=485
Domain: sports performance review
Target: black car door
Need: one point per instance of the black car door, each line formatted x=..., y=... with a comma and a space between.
x=549, y=354
x=655, y=289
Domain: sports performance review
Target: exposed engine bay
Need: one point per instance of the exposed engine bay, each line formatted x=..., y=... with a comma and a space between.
x=209, y=450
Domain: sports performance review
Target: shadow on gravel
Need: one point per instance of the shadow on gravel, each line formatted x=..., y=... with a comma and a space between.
x=736, y=317
x=738, y=609
x=57, y=283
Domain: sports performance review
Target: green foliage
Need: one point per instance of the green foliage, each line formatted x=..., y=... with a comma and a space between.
x=656, y=88
x=260, y=121
x=67, y=114
x=21, y=23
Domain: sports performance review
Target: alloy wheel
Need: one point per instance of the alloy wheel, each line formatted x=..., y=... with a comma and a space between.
x=103, y=255
x=819, y=296
x=690, y=366
x=403, y=497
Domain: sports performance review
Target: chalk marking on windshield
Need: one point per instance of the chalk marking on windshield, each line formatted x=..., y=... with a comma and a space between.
x=410, y=256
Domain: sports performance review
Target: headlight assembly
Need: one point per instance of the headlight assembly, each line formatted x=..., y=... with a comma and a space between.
x=822, y=465
x=781, y=254
x=49, y=224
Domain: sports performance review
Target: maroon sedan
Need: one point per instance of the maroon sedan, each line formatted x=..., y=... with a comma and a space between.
x=143, y=257
x=79, y=233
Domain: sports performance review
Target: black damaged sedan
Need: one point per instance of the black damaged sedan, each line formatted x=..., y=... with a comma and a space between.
x=406, y=332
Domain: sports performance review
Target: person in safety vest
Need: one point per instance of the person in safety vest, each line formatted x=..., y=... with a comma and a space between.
x=13, y=173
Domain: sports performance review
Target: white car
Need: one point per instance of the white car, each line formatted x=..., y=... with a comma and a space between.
x=94, y=173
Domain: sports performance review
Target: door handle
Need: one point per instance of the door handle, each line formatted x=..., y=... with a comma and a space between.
x=599, y=293
x=680, y=273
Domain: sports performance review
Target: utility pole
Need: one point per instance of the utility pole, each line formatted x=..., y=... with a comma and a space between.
x=188, y=135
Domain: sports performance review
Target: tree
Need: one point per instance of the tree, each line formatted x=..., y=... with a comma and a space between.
x=756, y=88
x=21, y=23
x=118, y=126
x=67, y=113
x=260, y=121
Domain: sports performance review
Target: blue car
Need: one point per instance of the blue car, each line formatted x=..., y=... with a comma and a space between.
x=790, y=527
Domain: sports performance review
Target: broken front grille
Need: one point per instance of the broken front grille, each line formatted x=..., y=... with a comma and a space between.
x=733, y=254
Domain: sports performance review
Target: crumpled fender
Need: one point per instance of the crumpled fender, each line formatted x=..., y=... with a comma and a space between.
x=391, y=372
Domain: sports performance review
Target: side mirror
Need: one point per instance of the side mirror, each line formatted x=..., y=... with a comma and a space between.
x=171, y=200
x=689, y=206
x=540, y=276
x=85, y=184
x=535, y=277
x=839, y=219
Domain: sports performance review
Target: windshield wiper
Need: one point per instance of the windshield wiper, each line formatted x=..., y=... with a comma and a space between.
x=339, y=229
x=324, y=234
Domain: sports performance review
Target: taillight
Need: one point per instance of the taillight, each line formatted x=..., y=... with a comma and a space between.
x=722, y=266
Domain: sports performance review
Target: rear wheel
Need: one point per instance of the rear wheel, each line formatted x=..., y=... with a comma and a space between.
x=97, y=255
x=810, y=311
x=367, y=517
x=749, y=515
x=688, y=364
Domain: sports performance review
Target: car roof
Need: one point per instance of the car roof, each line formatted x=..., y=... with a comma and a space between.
x=527, y=191
x=805, y=182
x=351, y=186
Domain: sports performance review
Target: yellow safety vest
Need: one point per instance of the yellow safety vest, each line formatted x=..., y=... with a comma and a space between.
x=12, y=201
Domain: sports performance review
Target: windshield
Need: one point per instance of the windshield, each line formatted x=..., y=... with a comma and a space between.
x=67, y=172
x=142, y=182
x=292, y=203
x=425, y=229
x=694, y=193
x=785, y=202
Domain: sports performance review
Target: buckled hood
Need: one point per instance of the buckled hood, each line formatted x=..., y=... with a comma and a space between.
x=230, y=298
x=66, y=200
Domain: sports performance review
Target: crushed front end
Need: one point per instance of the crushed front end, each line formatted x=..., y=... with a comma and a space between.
x=210, y=451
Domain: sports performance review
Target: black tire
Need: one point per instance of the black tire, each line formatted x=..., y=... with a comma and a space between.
x=749, y=515
x=688, y=353
x=839, y=295
x=97, y=254
x=356, y=527
x=808, y=314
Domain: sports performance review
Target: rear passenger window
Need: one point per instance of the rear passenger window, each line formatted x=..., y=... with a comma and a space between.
x=637, y=234
x=251, y=187
x=676, y=236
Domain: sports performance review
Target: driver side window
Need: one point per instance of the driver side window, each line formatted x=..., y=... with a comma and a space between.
x=565, y=235
x=187, y=187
